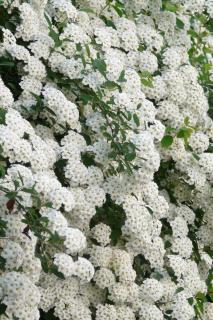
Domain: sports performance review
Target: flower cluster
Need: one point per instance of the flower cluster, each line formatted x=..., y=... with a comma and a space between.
x=106, y=157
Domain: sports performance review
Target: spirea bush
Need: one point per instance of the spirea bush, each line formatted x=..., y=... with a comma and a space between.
x=106, y=160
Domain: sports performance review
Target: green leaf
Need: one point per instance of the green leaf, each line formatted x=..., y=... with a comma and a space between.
x=16, y=184
x=30, y=190
x=88, y=50
x=170, y=129
x=170, y=7
x=55, y=238
x=48, y=315
x=87, y=10
x=112, y=155
x=107, y=135
x=130, y=156
x=186, y=121
x=85, y=98
x=191, y=301
x=100, y=65
x=44, y=263
x=128, y=150
x=48, y=205
x=193, y=33
x=167, y=244
x=179, y=290
x=141, y=47
x=122, y=76
x=11, y=194
x=145, y=74
x=167, y=141
x=111, y=85
x=119, y=10
x=179, y=23
x=2, y=115
x=157, y=275
x=200, y=296
x=78, y=46
x=108, y=22
x=3, y=308
x=52, y=33
x=83, y=60
x=136, y=119
x=185, y=133
x=196, y=156
x=3, y=226
x=2, y=169
x=147, y=83
x=7, y=63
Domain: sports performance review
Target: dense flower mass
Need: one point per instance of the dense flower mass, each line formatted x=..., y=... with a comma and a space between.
x=106, y=160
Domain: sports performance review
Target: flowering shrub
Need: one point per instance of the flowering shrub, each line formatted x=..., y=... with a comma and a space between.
x=106, y=158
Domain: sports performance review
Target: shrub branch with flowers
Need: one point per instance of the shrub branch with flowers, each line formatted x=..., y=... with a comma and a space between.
x=106, y=160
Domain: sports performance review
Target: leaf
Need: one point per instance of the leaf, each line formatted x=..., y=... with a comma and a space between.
x=167, y=141
x=128, y=150
x=147, y=83
x=44, y=263
x=2, y=170
x=110, y=85
x=83, y=60
x=185, y=133
x=196, y=156
x=130, y=156
x=167, y=244
x=88, y=50
x=2, y=267
x=145, y=74
x=119, y=10
x=136, y=120
x=3, y=226
x=157, y=275
x=170, y=7
x=179, y=290
x=87, y=10
x=55, y=238
x=150, y=210
x=3, y=113
x=48, y=315
x=112, y=155
x=48, y=205
x=186, y=121
x=16, y=184
x=107, y=135
x=54, y=269
x=122, y=76
x=179, y=23
x=200, y=296
x=78, y=46
x=100, y=65
x=30, y=190
x=169, y=129
x=7, y=63
x=141, y=47
x=3, y=308
x=169, y=311
x=191, y=301
x=52, y=33
x=85, y=98
x=108, y=22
